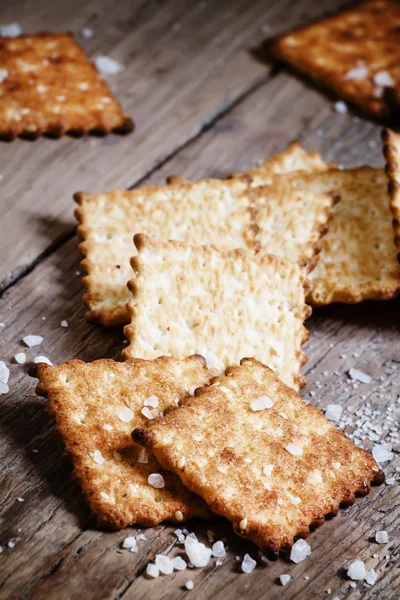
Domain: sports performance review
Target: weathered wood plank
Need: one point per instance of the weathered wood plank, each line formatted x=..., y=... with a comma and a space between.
x=58, y=552
x=186, y=63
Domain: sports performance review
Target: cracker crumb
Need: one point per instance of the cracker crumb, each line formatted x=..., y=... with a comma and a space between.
x=42, y=359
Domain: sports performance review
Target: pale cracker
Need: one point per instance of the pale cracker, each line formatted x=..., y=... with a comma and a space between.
x=391, y=149
x=90, y=403
x=355, y=54
x=358, y=257
x=51, y=87
x=274, y=473
x=209, y=211
x=224, y=305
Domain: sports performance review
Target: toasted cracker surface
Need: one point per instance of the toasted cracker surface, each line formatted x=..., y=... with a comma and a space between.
x=391, y=149
x=241, y=462
x=51, y=87
x=358, y=257
x=222, y=304
x=348, y=53
x=209, y=211
x=90, y=403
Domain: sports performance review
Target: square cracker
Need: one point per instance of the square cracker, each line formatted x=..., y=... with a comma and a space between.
x=355, y=54
x=51, y=87
x=205, y=212
x=358, y=256
x=391, y=149
x=86, y=401
x=222, y=304
x=243, y=463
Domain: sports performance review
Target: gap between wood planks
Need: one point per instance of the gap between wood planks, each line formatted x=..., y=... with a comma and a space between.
x=20, y=272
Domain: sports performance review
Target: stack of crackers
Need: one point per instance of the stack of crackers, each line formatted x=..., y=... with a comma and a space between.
x=212, y=280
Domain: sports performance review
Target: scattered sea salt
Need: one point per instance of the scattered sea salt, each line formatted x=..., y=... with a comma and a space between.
x=151, y=401
x=64, y=323
x=98, y=457
x=248, y=564
x=333, y=412
x=357, y=375
x=10, y=30
x=4, y=372
x=11, y=544
x=371, y=577
x=294, y=450
x=20, y=499
x=179, y=564
x=3, y=75
x=382, y=452
x=340, y=107
x=86, y=33
x=20, y=358
x=156, y=480
x=357, y=570
x=130, y=543
x=189, y=585
x=42, y=359
x=152, y=570
x=383, y=79
x=125, y=414
x=390, y=481
x=108, y=66
x=218, y=549
x=284, y=579
x=4, y=389
x=261, y=403
x=164, y=564
x=199, y=555
x=32, y=340
x=381, y=537
x=218, y=563
x=300, y=550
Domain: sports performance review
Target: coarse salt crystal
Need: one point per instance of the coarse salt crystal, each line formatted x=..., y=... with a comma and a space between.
x=192, y=389
x=267, y=470
x=11, y=30
x=199, y=555
x=382, y=452
x=381, y=537
x=189, y=585
x=11, y=544
x=294, y=450
x=20, y=358
x=152, y=570
x=20, y=499
x=98, y=457
x=371, y=577
x=143, y=456
x=390, y=481
x=178, y=563
x=284, y=579
x=4, y=372
x=383, y=79
x=32, y=340
x=248, y=564
x=125, y=414
x=213, y=361
x=218, y=549
x=357, y=375
x=151, y=401
x=42, y=359
x=164, y=564
x=130, y=543
x=218, y=563
x=358, y=72
x=64, y=323
x=300, y=550
x=340, y=107
x=86, y=33
x=357, y=570
x=108, y=66
x=261, y=403
x=3, y=75
x=146, y=412
x=156, y=480
x=4, y=389
x=333, y=412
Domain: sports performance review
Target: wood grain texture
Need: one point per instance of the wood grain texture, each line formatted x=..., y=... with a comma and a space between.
x=58, y=553
x=186, y=64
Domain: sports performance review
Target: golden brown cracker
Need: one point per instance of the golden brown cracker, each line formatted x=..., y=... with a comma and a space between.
x=358, y=257
x=274, y=472
x=50, y=87
x=208, y=211
x=391, y=149
x=354, y=54
x=96, y=405
x=222, y=304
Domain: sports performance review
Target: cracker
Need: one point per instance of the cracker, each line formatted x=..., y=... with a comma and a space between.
x=222, y=304
x=52, y=88
x=355, y=54
x=358, y=257
x=223, y=451
x=86, y=400
x=391, y=149
x=209, y=211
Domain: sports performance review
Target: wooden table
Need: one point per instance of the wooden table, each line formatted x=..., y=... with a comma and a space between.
x=204, y=105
